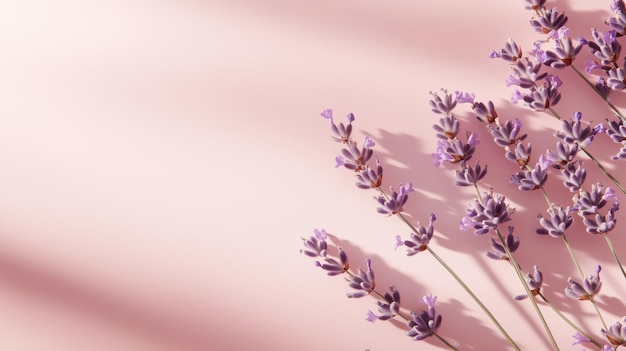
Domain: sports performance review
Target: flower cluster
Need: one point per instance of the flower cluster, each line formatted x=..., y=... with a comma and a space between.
x=537, y=84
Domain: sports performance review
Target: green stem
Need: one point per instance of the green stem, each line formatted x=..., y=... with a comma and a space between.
x=612, y=248
x=528, y=292
x=476, y=299
x=604, y=170
x=571, y=253
x=613, y=107
x=568, y=321
x=446, y=342
x=595, y=306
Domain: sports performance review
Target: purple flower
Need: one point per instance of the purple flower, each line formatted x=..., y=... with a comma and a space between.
x=603, y=89
x=390, y=306
x=393, y=203
x=575, y=133
x=534, y=5
x=448, y=127
x=618, y=23
x=464, y=97
x=616, y=79
x=316, y=246
x=369, y=178
x=617, y=132
x=442, y=105
x=533, y=179
x=526, y=74
x=454, y=150
x=560, y=220
x=574, y=176
x=590, y=202
x=418, y=242
x=334, y=267
x=362, y=281
x=487, y=213
x=590, y=66
x=605, y=47
x=587, y=290
x=544, y=96
x=616, y=333
x=485, y=113
x=511, y=52
x=354, y=158
x=511, y=242
x=580, y=339
x=534, y=280
x=469, y=176
x=564, y=154
x=520, y=155
x=598, y=224
x=426, y=323
x=548, y=20
x=564, y=52
x=342, y=132
x=508, y=133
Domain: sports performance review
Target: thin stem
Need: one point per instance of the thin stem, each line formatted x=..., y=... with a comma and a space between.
x=604, y=170
x=612, y=248
x=595, y=306
x=445, y=342
x=528, y=292
x=571, y=253
x=476, y=299
x=568, y=321
x=459, y=280
x=613, y=107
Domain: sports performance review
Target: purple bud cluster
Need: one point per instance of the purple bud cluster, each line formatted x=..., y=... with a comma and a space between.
x=617, y=132
x=499, y=253
x=487, y=214
x=588, y=205
x=418, y=241
x=534, y=281
x=427, y=322
x=586, y=290
x=616, y=333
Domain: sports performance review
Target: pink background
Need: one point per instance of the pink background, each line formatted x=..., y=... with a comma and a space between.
x=160, y=161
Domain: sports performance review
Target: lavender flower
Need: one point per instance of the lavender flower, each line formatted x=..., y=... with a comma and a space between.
x=448, y=127
x=362, y=281
x=511, y=242
x=389, y=307
x=618, y=23
x=574, y=176
x=587, y=290
x=511, y=52
x=508, y=133
x=520, y=155
x=487, y=213
x=469, y=176
x=442, y=105
x=342, y=132
x=599, y=224
x=464, y=97
x=525, y=74
x=580, y=339
x=605, y=47
x=532, y=179
x=560, y=220
x=334, y=267
x=616, y=79
x=426, y=323
x=574, y=132
x=544, y=96
x=393, y=203
x=617, y=132
x=564, y=154
x=418, y=242
x=369, y=178
x=565, y=52
x=534, y=280
x=548, y=20
x=316, y=246
x=616, y=333
x=485, y=113
x=454, y=150
x=534, y=5
x=354, y=158
x=590, y=202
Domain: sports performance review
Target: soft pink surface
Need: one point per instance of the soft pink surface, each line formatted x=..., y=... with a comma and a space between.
x=160, y=161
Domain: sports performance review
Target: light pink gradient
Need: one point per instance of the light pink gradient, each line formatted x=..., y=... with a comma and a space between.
x=160, y=161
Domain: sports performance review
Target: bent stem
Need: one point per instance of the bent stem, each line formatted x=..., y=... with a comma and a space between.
x=612, y=248
x=568, y=321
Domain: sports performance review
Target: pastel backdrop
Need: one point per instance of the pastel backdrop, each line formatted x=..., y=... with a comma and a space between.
x=160, y=162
